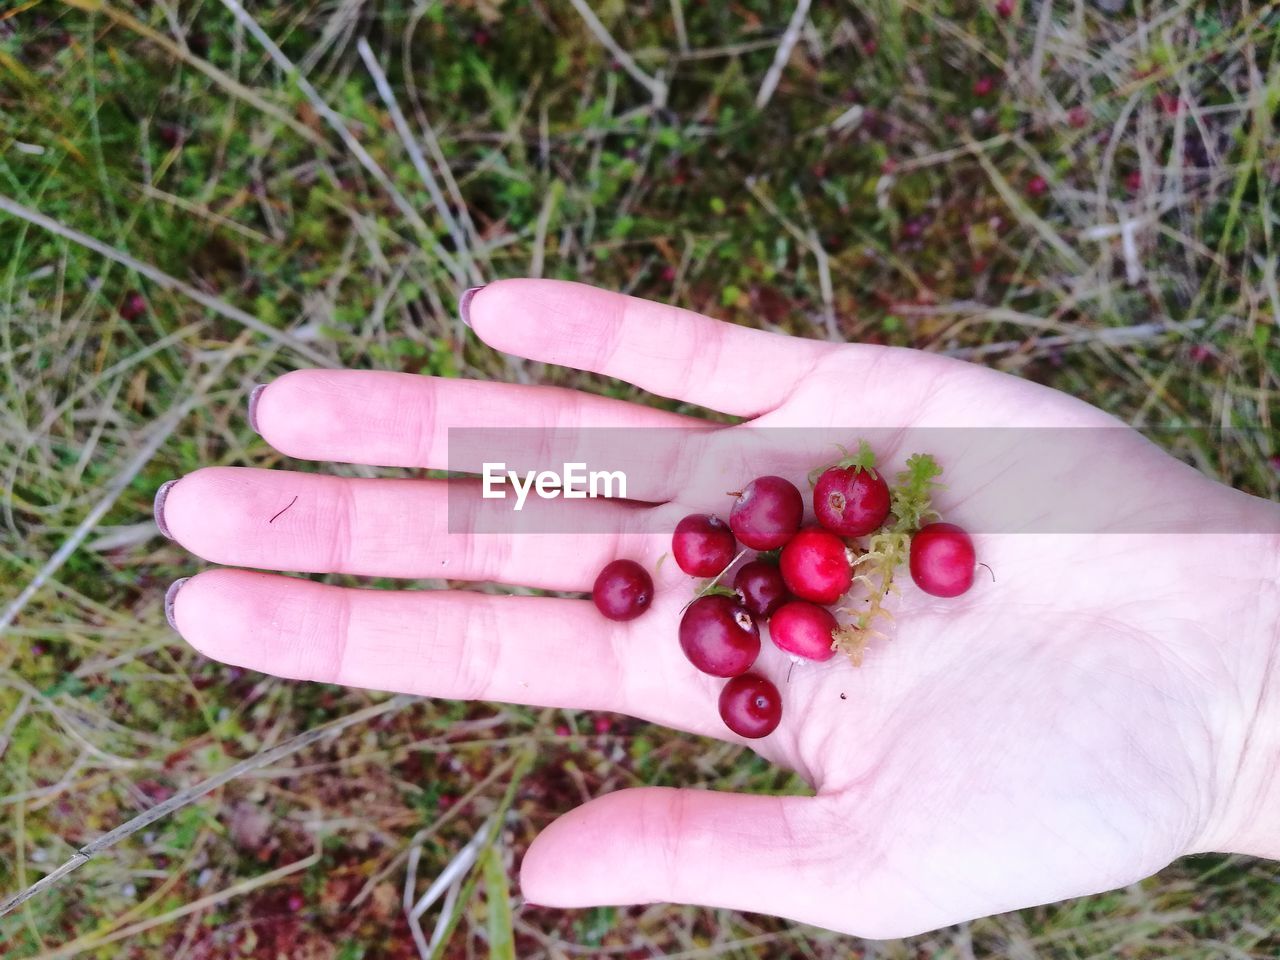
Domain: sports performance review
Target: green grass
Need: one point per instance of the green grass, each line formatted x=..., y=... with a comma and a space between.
x=878, y=196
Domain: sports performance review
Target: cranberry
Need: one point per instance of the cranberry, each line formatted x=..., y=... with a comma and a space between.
x=942, y=560
x=767, y=513
x=760, y=587
x=851, y=501
x=719, y=637
x=703, y=545
x=623, y=590
x=751, y=706
x=803, y=629
x=816, y=567
x=133, y=306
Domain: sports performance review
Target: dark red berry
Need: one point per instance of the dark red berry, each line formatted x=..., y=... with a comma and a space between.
x=133, y=306
x=942, y=560
x=983, y=86
x=1037, y=186
x=703, y=545
x=1004, y=9
x=623, y=590
x=815, y=566
x=1133, y=182
x=851, y=501
x=760, y=587
x=803, y=629
x=719, y=636
x=767, y=513
x=751, y=706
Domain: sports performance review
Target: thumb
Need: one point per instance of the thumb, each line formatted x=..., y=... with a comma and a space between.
x=775, y=855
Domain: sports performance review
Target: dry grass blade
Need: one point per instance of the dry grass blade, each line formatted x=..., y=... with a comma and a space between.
x=191, y=794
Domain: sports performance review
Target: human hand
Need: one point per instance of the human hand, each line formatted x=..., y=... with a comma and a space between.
x=1074, y=727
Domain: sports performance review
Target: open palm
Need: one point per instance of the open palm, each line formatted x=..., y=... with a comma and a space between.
x=1068, y=728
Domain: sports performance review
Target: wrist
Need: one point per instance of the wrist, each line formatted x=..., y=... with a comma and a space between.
x=1250, y=788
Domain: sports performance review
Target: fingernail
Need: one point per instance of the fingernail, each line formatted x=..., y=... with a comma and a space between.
x=158, y=508
x=170, y=596
x=254, y=396
x=464, y=303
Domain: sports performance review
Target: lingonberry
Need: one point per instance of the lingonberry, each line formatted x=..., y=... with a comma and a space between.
x=703, y=545
x=942, y=560
x=719, y=636
x=751, y=706
x=803, y=629
x=760, y=587
x=815, y=566
x=767, y=513
x=623, y=590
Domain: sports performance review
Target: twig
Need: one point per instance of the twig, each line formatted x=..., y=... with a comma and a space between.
x=655, y=85
x=191, y=794
x=162, y=279
x=783, y=54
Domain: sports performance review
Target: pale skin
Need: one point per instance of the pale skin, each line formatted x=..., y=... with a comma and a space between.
x=1110, y=704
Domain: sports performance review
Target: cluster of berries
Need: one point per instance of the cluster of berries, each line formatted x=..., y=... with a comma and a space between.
x=801, y=575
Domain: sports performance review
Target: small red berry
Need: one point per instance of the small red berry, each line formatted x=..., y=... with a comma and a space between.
x=1200, y=353
x=623, y=590
x=719, y=637
x=1133, y=182
x=703, y=545
x=942, y=559
x=1078, y=117
x=815, y=566
x=767, y=513
x=759, y=585
x=751, y=706
x=602, y=725
x=851, y=501
x=803, y=629
x=132, y=306
x=1005, y=9
x=562, y=730
x=984, y=85
x=1037, y=186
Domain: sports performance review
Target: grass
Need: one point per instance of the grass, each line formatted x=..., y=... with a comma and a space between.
x=1083, y=198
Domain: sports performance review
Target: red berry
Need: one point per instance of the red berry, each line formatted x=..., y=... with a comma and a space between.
x=623, y=590
x=751, y=706
x=942, y=560
x=562, y=730
x=815, y=566
x=1133, y=182
x=851, y=501
x=1037, y=186
x=983, y=86
x=1004, y=9
x=133, y=306
x=719, y=637
x=602, y=725
x=767, y=513
x=1078, y=117
x=760, y=587
x=803, y=629
x=703, y=545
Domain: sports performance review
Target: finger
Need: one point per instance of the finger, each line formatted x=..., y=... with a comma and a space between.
x=663, y=349
x=462, y=645
x=774, y=855
x=280, y=520
x=402, y=420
